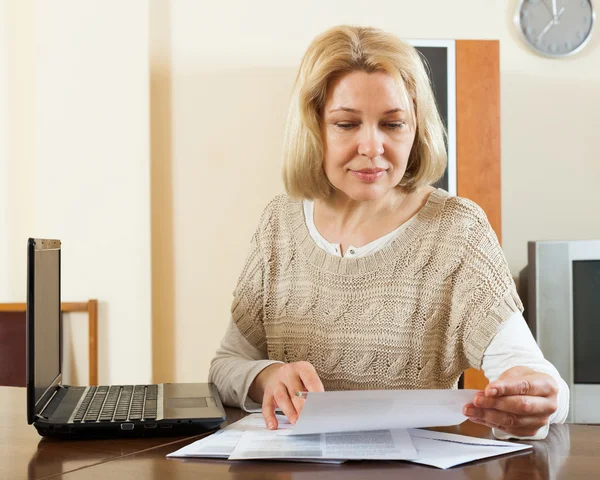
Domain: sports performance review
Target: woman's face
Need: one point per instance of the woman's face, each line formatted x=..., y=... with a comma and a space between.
x=368, y=135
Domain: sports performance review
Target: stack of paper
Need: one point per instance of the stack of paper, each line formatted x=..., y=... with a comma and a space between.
x=224, y=443
x=249, y=439
x=361, y=425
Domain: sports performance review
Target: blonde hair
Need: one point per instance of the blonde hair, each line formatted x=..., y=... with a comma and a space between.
x=337, y=52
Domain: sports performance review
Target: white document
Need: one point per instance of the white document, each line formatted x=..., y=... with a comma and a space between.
x=445, y=450
x=348, y=411
x=371, y=445
x=222, y=443
x=249, y=438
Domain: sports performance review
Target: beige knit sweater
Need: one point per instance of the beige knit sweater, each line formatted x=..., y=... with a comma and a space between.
x=413, y=315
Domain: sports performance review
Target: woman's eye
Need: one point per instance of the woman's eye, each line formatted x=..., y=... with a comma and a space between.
x=395, y=125
x=390, y=125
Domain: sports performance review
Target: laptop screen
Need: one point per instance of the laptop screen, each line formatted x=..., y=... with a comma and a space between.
x=43, y=322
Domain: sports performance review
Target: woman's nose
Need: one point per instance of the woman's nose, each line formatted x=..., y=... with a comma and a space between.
x=370, y=142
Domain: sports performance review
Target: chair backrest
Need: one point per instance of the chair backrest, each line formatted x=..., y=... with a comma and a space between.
x=12, y=348
x=12, y=340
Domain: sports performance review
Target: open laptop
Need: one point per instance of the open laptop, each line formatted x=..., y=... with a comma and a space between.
x=104, y=411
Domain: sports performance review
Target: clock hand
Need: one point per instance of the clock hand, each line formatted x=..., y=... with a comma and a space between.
x=551, y=10
x=554, y=15
x=546, y=28
x=550, y=24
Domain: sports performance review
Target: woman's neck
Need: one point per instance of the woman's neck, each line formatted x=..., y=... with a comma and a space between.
x=345, y=215
x=347, y=222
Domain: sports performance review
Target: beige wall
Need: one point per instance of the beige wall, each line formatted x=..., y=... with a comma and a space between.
x=17, y=141
x=93, y=167
x=78, y=168
x=219, y=80
x=4, y=49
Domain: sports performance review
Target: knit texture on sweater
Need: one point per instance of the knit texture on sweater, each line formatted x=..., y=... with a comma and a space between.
x=413, y=315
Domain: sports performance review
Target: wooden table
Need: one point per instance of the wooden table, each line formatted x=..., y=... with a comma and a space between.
x=569, y=452
x=25, y=454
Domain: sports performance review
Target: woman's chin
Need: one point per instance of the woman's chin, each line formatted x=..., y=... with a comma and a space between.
x=366, y=193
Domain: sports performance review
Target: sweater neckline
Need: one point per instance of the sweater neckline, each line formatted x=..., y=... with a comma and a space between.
x=352, y=266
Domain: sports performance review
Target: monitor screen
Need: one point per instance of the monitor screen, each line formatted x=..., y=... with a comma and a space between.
x=436, y=59
x=586, y=321
x=43, y=320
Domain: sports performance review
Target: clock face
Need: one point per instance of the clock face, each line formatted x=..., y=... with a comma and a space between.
x=556, y=28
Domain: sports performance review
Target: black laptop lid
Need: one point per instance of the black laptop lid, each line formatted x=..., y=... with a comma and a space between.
x=43, y=323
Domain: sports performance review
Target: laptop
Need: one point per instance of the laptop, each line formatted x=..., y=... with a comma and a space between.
x=66, y=411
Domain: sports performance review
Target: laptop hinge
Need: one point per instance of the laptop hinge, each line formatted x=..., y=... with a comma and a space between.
x=39, y=415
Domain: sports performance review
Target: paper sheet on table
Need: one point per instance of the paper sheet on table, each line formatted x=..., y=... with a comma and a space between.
x=222, y=443
x=441, y=450
x=371, y=445
x=347, y=411
x=445, y=450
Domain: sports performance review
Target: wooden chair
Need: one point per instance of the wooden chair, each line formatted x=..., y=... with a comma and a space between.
x=12, y=340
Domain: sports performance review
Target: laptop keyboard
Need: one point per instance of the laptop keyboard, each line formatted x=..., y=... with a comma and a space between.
x=118, y=403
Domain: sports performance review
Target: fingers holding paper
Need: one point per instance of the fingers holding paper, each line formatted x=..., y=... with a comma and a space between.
x=519, y=402
x=280, y=390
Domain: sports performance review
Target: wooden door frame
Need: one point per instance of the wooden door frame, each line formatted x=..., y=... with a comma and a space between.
x=478, y=138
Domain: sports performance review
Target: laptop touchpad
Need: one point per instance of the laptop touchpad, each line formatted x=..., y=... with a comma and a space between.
x=189, y=401
x=186, y=402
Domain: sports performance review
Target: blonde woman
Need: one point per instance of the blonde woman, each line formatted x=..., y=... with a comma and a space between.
x=364, y=276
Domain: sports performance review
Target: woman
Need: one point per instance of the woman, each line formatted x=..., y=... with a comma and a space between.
x=364, y=276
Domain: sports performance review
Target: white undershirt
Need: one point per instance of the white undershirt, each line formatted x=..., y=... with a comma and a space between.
x=513, y=345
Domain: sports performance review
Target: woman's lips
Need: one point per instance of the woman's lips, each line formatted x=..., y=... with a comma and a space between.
x=369, y=175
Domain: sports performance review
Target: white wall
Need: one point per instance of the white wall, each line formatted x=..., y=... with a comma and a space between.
x=78, y=166
x=4, y=155
x=93, y=168
x=17, y=143
x=219, y=79
x=550, y=152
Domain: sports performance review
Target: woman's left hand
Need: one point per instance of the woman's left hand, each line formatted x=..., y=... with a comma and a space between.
x=519, y=402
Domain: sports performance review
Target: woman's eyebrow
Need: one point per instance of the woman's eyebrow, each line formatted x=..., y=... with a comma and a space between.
x=352, y=110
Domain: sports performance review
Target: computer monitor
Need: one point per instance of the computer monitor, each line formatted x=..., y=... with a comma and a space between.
x=561, y=291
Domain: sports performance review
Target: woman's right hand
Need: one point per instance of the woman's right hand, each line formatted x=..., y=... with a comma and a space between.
x=279, y=383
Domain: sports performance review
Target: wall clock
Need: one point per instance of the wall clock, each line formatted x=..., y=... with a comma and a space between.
x=555, y=28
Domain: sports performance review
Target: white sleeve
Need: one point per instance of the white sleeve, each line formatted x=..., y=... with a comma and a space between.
x=514, y=346
x=235, y=366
